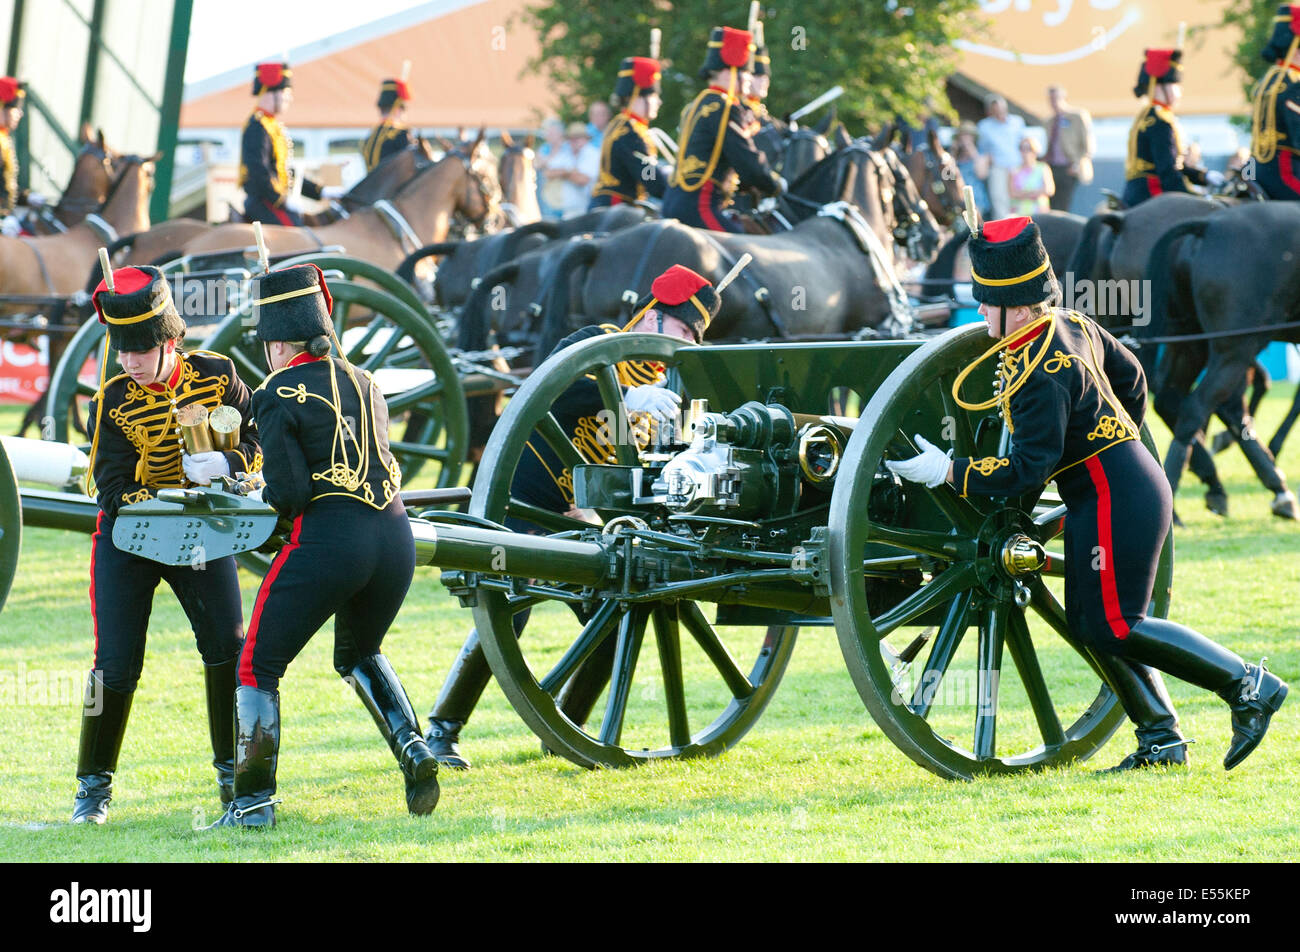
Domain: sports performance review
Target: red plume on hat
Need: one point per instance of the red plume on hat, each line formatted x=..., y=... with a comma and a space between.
x=1158, y=62
x=11, y=90
x=268, y=77
x=677, y=285
x=736, y=46
x=645, y=72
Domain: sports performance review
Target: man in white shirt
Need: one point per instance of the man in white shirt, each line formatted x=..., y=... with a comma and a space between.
x=577, y=165
x=999, y=139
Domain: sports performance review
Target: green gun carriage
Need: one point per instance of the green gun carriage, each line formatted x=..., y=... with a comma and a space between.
x=771, y=515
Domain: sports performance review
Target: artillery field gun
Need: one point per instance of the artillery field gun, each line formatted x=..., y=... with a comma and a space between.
x=766, y=514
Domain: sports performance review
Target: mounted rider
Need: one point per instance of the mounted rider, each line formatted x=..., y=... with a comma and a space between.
x=762, y=125
x=714, y=149
x=12, y=95
x=267, y=151
x=1155, y=143
x=1275, y=125
x=625, y=177
x=391, y=135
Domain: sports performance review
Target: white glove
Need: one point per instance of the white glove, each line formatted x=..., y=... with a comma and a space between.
x=36, y=200
x=257, y=493
x=329, y=192
x=11, y=227
x=202, y=468
x=660, y=402
x=1215, y=178
x=930, y=468
x=785, y=186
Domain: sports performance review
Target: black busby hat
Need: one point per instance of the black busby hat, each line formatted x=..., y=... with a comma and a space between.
x=292, y=304
x=139, y=312
x=728, y=48
x=391, y=92
x=636, y=75
x=1009, y=266
x=268, y=77
x=11, y=91
x=1286, y=27
x=1158, y=66
x=681, y=293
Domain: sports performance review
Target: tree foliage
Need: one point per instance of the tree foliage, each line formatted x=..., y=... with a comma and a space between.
x=1254, y=18
x=891, y=56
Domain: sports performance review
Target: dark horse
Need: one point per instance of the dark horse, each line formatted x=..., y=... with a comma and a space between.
x=933, y=169
x=1232, y=276
x=1113, y=254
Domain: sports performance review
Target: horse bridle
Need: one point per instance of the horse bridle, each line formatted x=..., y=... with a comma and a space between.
x=935, y=168
x=491, y=195
x=88, y=204
x=908, y=228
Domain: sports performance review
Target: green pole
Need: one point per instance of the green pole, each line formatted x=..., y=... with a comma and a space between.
x=170, y=113
x=93, y=48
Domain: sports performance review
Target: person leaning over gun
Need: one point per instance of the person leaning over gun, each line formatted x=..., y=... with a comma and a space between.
x=136, y=449
x=349, y=552
x=1073, y=398
x=680, y=304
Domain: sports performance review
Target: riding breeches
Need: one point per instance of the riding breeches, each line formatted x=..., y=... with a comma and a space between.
x=342, y=558
x=121, y=600
x=702, y=209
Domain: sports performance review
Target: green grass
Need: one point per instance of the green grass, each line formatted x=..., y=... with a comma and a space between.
x=815, y=779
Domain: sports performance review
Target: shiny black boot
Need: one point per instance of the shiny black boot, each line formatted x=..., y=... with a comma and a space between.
x=1252, y=693
x=103, y=723
x=1142, y=694
x=257, y=749
x=377, y=685
x=460, y=694
x=219, y=682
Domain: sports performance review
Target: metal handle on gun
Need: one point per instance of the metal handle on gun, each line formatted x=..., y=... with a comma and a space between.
x=835, y=92
x=731, y=275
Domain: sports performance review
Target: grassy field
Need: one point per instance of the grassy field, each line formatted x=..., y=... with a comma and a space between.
x=814, y=780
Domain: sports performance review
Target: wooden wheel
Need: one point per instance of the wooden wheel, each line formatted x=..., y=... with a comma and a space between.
x=11, y=525
x=915, y=570
x=697, y=691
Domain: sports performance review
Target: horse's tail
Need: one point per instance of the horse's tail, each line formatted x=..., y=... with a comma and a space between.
x=555, y=319
x=406, y=270
x=476, y=319
x=1084, y=258
x=1161, y=276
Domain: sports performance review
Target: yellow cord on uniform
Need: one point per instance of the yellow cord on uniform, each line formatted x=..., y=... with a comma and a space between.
x=1007, y=392
x=1263, y=121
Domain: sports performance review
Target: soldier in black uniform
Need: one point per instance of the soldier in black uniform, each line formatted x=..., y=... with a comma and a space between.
x=1074, y=398
x=624, y=175
x=12, y=95
x=266, y=151
x=681, y=304
x=1275, y=129
x=136, y=449
x=391, y=135
x=714, y=143
x=1155, y=143
x=349, y=551
x=767, y=131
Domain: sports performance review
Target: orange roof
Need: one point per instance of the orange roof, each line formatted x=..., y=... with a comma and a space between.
x=465, y=70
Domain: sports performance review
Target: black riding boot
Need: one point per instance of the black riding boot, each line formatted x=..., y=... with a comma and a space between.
x=257, y=749
x=103, y=722
x=460, y=694
x=377, y=685
x=219, y=680
x=1141, y=692
x=1252, y=693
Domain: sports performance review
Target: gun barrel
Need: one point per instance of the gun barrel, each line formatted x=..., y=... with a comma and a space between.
x=517, y=554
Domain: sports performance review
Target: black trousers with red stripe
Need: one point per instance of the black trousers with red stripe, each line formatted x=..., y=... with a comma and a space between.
x=259, y=209
x=1118, y=511
x=344, y=559
x=1280, y=178
x=121, y=600
x=702, y=209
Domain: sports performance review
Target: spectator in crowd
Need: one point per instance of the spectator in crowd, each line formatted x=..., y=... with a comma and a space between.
x=973, y=166
x=576, y=164
x=598, y=115
x=550, y=192
x=1031, y=182
x=1070, y=147
x=999, y=138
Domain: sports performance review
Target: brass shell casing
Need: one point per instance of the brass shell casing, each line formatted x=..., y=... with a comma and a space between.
x=193, y=421
x=224, y=423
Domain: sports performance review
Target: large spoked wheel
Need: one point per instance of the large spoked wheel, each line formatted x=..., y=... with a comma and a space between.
x=11, y=525
x=385, y=336
x=926, y=609
x=701, y=687
x=69, y=396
